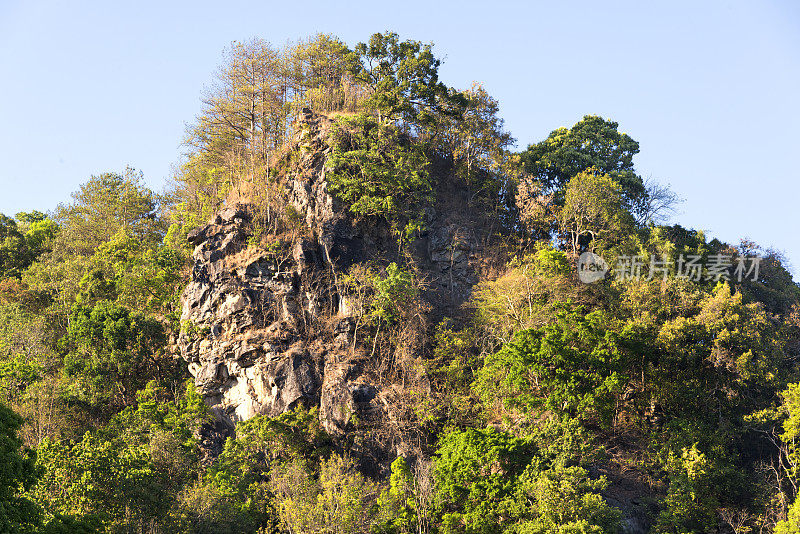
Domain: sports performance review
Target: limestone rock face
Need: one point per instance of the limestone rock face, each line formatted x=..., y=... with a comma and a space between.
x=239, y=312
x=263, y=332
x=246, y=311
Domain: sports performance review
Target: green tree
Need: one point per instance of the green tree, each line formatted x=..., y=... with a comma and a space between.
x=340, y=501
x=394, y=294
x=321, y=70
x=140, y=276
x=377, y=172
x=127, y=475
x=728, y=349
x=402, y=78
x=397, y=509
x=574, y=366
x=591, y=142
x=593, y=211
x=240, y=487
x=792, y=523
x=690, y=504
x=475, y=472
x=39, y=230
x=91, y=477
x=566, y=500
x=473, y=136
x=104, y=205
x=785, y=431
x=110, y=353
x=529, y=294
x=13, y=252
x=488, y=481
x=17, y=474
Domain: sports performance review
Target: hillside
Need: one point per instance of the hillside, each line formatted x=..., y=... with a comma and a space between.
x=359, y=310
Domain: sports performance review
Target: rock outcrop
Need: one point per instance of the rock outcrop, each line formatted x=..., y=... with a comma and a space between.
x=244, y=317
x=263, y=332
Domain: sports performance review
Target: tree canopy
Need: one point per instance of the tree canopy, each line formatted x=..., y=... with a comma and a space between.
x=591, y=142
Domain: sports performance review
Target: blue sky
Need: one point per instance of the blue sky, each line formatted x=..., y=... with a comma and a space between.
x=708, y=89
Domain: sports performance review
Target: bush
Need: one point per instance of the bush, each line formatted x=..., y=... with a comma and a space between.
x=377, y=172
x=572, y=367
x=488, y=481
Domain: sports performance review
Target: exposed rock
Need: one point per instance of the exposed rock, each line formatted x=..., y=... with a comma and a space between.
x=336, y=401
x=264, y=332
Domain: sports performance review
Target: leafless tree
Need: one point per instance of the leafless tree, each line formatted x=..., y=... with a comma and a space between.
x=660, y=204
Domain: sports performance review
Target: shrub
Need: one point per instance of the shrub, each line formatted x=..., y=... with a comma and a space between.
x=377, y=172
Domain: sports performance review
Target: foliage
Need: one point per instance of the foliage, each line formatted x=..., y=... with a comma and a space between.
x=792, y=523
x=728, y=349
x=591, y=142
x=322, y=67
x=574, y=366
x=489, y=481
x=377, y=172
x=17, y=513
x=262, y=442
x=566, y=500
x=788, y=417
x=141, y=277
x=473, y=136
x=394, y=293
x=340, y=501
x=129, y=473
x=104, y=205
x=523, y=394
x=593, y=209
x=22, y=240
x=92, y=476
x=689, y=505
x=240, y=488
x=528, y=294
x=402, y=77
x=111, y=352
x=396, y=504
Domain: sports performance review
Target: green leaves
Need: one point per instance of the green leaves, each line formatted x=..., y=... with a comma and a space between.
x=567, y=500
x=23, y=240
x=591, y=142
x=129, y=472
x=573, y=366
x=17, y=514
x=93, y=476
x=690, y=505
x=488, y=481
x=106, y=204
x=111, y=352
x=141, y=276
x=270, y=466
x=728, y=347
x=377, y=172
x=397, y=509
x=475, y=473
x=403, y=77
x=393, y=293
x=594, y=212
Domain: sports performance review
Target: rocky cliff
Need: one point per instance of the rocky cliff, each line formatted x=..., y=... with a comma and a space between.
x=265, y=331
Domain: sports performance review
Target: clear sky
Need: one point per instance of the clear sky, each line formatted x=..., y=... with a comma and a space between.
x=709, y=89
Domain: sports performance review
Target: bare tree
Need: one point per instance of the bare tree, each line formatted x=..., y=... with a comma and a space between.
x=659, y=205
